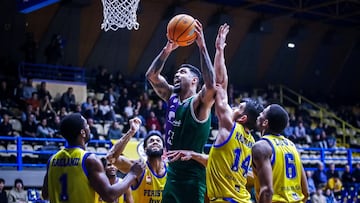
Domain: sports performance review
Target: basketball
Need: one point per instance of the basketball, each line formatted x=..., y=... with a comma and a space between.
x=181, y=30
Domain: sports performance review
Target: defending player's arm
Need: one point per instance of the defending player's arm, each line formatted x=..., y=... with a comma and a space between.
x=99, y=181
x=205, y=99
x=304, y=185
x=113, y=156
x=157, y=81
x=219, y=60
x=261, y=158
x=186, y=155
x=222, y=108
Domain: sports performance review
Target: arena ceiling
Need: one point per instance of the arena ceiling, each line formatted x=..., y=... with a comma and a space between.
x=325, y=61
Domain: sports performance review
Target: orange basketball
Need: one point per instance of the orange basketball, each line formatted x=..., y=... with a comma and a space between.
x=181, y=30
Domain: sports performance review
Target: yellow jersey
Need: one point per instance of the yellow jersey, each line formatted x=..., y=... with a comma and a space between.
x=227, y=167
x=286, y=170
x=150, y=187
x=67, y=177
x=121, y=199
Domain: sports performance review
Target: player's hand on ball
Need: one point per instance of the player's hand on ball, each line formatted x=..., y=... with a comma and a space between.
x=170, y=46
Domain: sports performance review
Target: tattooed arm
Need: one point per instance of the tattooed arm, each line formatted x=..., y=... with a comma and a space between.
x=205, y=99
x=157, y=81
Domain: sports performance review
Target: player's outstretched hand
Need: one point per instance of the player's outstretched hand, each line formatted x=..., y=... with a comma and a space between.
x=221, y=36
x=183, y=155
x=200, y=40
x=135, y=124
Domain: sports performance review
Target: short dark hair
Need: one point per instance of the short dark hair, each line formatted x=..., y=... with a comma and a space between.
x=18, y=180
x=71, y=126
x=278, y=118
x=196, y=72
x=2, y=180
x=252, y=109
x=152, y=133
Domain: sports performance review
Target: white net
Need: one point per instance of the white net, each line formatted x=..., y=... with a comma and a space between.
x=120, y=14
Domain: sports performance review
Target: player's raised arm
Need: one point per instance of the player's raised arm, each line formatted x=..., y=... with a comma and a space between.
x=205, y=98
x=222, y=109
x=113, y=156
x=158, y=82
x=219, y=60
x=261, y=158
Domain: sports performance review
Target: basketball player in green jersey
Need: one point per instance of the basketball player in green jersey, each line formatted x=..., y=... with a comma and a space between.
x=74, y=175
x=278, y=172
x=230, y=156
x=188, y=119
x=150, y=184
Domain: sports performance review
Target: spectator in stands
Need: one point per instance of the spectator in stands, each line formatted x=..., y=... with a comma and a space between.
x=122, y=100
x=34, y=100
x=329, y=196
x=55, y=125
x=152, y=120
x=18, y=95
x=6, y=128
x=87, y=108
x=146, y=109
x=5, y=94
x=332, y=172
x=3, y=194
x=311, y=184
x=300, y=134
x=25, y=114
x=356, y=176
x=129, y=110
x=110, y=96
x=47, y=110
x=114, y=132
x=62, y=112
x=160, y=111
x=318, y=197
x=43, y=130
x=331, y=140
x=43, y=92
x=29, y=89
x=347, y=178
x=289, y=132
x=106, y=111
x=93, y=130
x=319, y=175
x=17, y=194
x=318, y=135
x=68, y=99
x=29, y=128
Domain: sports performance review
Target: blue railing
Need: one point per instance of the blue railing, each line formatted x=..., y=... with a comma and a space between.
x=14, y=157
x=51, y=72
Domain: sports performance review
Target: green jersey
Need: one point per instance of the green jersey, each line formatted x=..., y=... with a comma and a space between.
x=185, y=132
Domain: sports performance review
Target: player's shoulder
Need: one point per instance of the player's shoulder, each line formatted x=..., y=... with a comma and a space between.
x=261, y=147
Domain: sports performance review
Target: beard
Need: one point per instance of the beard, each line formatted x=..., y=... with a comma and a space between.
x=177, y=88
x=153, y=154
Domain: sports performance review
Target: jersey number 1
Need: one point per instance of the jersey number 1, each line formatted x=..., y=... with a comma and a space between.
x=63, y=182
x=244, y=164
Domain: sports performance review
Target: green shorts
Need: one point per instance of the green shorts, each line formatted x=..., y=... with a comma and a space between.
x=187, y=191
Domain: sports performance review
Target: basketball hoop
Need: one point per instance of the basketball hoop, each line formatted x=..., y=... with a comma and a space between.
x=120, y=14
